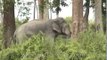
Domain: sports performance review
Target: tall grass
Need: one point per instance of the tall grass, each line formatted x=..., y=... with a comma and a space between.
x=88, y=46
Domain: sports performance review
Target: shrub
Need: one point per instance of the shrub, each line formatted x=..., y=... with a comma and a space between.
x=88, y=46
x=94, y=43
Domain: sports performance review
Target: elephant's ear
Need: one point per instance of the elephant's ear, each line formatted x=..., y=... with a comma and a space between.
x=56, y=28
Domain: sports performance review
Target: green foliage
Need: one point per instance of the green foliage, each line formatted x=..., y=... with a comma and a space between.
x=69, y=19
x=17, y=22
x=94, y=43
x=56, y=4
x=23, y=9
x=88, y=46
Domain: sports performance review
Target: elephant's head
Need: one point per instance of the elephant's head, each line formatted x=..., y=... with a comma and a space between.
x=61, y=27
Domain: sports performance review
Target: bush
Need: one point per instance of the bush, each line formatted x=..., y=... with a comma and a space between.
x=88, y=46
x=68, y=20
x=94, y=43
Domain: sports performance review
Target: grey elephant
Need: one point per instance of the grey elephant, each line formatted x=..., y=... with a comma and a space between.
x=50, y=28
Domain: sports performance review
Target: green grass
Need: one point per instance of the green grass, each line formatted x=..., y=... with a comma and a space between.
x=88, y=46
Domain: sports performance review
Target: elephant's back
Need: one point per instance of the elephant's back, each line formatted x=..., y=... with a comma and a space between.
x=34, y=27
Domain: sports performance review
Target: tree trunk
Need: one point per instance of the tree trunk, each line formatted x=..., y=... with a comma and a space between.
x=81, y=20
x=104, y=15
x=41, y=8
x=8, y=22
x=98, y=15
x=106, y=21
x=77, y=17
x=86, y=14
x=50, y=14
x=34, y=10
x=50, y=10
x=46, y=12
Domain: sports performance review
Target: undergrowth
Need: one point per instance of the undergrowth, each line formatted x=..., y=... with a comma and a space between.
x=88, y=46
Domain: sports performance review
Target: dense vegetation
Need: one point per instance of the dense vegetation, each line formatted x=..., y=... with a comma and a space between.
x=88, y=46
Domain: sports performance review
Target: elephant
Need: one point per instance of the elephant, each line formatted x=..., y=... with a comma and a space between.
x=50, y=28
